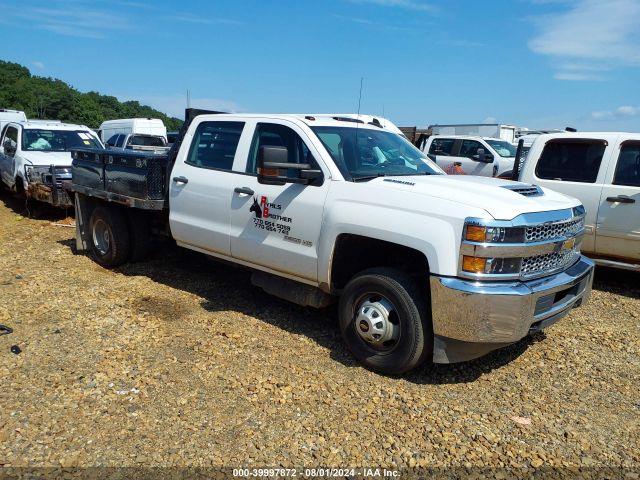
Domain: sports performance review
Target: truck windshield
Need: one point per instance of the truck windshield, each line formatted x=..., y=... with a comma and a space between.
x=35, y=139
x=503, y=148
x=363, y=153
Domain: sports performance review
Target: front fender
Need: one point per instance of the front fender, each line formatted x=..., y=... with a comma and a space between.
x=437, y=236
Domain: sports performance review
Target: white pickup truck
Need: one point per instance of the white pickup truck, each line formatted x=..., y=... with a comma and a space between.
x=137, y=141
x=602, y=170
x=426, y=266
x=467, y=155
x=35, y=158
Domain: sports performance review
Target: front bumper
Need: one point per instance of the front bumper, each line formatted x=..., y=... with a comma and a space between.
x=472, y=318
x=47, y=184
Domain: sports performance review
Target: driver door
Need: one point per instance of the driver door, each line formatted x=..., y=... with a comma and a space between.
x=278, y=226
x=618, y=227
x=7, y=159
x=468, y=156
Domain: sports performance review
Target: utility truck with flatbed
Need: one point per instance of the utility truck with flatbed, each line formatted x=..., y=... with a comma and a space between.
x=323, y=209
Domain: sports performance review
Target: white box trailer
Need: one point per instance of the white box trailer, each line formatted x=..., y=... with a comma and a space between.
x=148, y=126
x=494, y=130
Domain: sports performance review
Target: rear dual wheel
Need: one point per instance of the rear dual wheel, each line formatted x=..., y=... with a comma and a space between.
x=109, y=236
x=385, y=321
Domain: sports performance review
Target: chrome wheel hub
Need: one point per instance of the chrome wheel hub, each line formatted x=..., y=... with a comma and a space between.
x=373, y=321
x=101, y=237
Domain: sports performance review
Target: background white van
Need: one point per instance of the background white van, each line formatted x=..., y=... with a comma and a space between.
x=7, y=116
x=147, y=126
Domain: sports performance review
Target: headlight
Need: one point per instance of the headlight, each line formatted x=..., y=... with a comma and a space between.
x=491, y=266
x=36, y=173
x=483, y=234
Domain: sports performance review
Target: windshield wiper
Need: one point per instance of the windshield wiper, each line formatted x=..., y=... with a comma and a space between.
x=365, y=178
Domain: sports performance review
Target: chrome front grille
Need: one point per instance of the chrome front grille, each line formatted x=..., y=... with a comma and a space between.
x=550, y=231
x=542, y=264
x=62, y=174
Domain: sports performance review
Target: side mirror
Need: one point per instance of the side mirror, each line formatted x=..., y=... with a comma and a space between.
x=431, y=156
x=273, y=160
x=9, y=147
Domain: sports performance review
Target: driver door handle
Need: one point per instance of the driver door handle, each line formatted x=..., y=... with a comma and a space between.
x=621, y=199
x=244, y=190
x=180, y=179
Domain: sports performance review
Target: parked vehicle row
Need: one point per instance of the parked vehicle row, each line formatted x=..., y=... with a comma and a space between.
x=425, y=266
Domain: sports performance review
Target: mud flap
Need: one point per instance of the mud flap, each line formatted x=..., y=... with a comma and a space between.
x=82, y=222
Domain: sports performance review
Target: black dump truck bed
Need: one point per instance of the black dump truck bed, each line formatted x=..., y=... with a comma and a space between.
x=133, y=178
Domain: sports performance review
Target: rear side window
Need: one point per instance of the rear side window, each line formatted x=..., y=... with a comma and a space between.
x=441, y=146
x=628, y=167
x=146, y=141
x=120, y=140
x=214, y=145
x=571, y=161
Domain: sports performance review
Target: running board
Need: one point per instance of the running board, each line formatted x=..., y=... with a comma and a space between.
x=614, y=264
x=290, y=290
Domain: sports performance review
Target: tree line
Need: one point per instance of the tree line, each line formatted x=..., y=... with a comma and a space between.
x=50, y=98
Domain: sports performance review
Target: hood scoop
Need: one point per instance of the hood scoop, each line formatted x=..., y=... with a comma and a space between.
x=526, y=190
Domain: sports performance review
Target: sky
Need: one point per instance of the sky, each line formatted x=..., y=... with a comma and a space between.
x=532, y=63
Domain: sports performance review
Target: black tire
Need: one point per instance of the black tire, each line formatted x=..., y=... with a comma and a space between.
x=140, y=236
x=115, y=250
x=412, y=315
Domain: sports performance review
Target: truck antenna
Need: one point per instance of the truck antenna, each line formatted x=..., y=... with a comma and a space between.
x=188, y=98
x=360, y=97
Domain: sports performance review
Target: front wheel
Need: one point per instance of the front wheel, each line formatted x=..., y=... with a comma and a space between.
x=385, y=321
x=109, y=237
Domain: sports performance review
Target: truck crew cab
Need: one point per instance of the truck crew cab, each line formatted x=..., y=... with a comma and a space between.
x=468, y=155
x=425, y=266
x=602, y=170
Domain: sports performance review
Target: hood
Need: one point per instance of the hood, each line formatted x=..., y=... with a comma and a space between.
x=62, y=159
x=492, y=194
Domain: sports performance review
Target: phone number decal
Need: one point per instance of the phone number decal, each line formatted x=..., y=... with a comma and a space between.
x=271, y=226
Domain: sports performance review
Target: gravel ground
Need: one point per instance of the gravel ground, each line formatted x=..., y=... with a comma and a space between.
x=181, y=362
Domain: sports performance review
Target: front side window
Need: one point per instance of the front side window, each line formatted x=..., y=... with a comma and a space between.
x=12, y=135
x=214, y=145
x=470, y=148
x=41, y=140
x=571, y=161
x=503, y=148
x=120, y=139
x=363, y=153
x=628, y=167
x=441, y=146
x=275, y=135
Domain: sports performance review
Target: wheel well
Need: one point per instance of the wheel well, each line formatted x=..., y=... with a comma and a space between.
x=355, y=253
